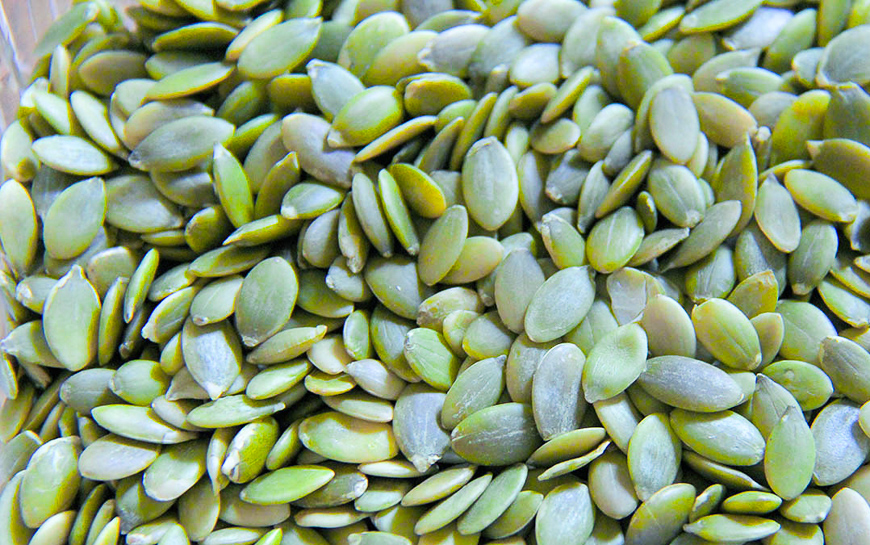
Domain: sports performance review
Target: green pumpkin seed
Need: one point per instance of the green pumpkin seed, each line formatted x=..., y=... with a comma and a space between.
x=112, y=457
x=232, y=411
x=20, y=243
x=452, y=507
x=489, y=183
x=662, y=516
x=366, y=116
x=494, y=501
x=180, y=144
x=51, y=469
x=789, y=471
x=272, y=281
x=518, y=515
x=837, y=65
x=718, y=222
x=690, y=384
x=674, y=124
x=654, y=455
x=839, y=442
x=614, y=240
x=483, y=437
x=347, y=439
x=603, y=377
x=70, y=318
x=73, y=155
x=542, y=324
x=368, y=38
x=566, y=512
x=732, y=339
x=190, y=80
x=847, y=515
x=805, y=329
x=610, y=485
x=175, y=470
x=821, y=195
x=558, y=410
x=718, y=429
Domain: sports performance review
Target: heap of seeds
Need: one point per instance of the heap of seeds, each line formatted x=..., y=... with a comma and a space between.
x=382, y=272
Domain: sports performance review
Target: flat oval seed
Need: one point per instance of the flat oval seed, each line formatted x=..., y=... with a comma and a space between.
x=347, y=439
x=50, y=481
x=724, y=330
x=397, y=213
x=806, y=326
x=821, y=195
x=690, y=384
x=232, y=187
x=286, y=345
x=840, y=442
x=614, y=240
x=190, y=80
x=439, y=486
x=362, y=45
x=265, y=300
x=111, y=458
x=494, y=501
x=442, y=245
x=724, y=437
x=180, y=144
x=566, y=514
x=846, y=363
x=717, y=15
x=501, y=435
x=489, y=183
x=397, y=285
x=674, y=124
x=74, y=219
x=417, y=428
x=135, y=204
x=430, y=358
x=18, y=226
x=777, y=216
x=232, y=410
x=297, y=37
x=139, y=423
x=70, y=319
x=476, y=388
x=517, y=279
x=615, y=362
x=723, y=121
x=660, y=518
x=654, y=455
x=669, y=329
x=370, y=211
x=212, y=354
x=838, y=64
x=740, y=526
x=216, y=301
x=550, y=313
x=286, y=484
x=176, y=470
x=451, y=508
x=365, y=117
x=849, y=517
x=809, y=385
x=73, y=155
x=788, y=469
x=421, y=191
x=66, y=28
x=558, y=409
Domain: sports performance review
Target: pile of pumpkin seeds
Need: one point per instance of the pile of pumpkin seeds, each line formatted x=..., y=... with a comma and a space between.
x=371, y=272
